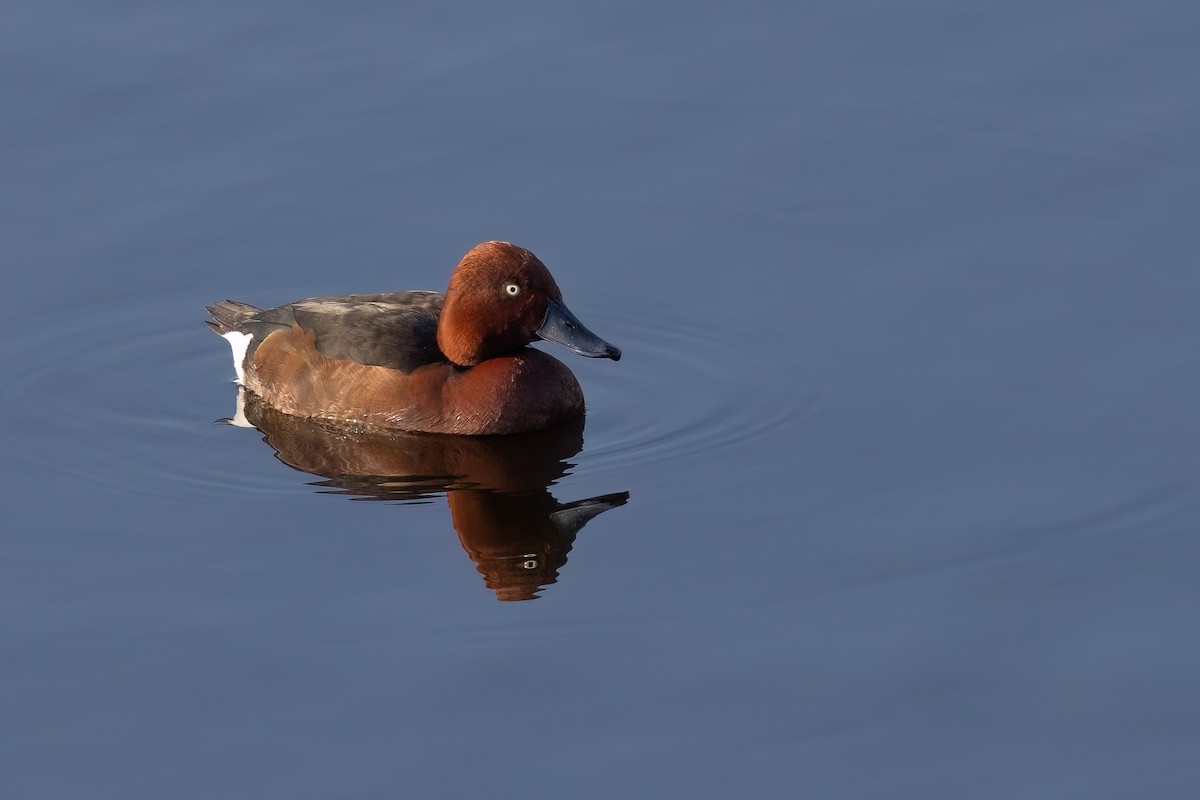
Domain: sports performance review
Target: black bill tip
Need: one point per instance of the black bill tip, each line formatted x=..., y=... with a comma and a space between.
x=564, y=328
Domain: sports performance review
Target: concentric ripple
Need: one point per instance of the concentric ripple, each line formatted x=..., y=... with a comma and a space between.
x=123, y=394
x=690, y=386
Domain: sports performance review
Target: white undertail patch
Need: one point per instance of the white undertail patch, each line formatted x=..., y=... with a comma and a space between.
x=239, y=341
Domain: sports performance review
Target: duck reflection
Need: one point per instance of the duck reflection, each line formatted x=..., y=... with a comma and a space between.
x=497, y=487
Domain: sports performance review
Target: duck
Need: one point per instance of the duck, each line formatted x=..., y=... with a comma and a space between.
x=457, y=362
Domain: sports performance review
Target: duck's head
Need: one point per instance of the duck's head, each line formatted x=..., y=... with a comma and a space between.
x=501, y=298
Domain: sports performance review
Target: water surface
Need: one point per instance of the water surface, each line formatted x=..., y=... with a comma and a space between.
x=898, y=472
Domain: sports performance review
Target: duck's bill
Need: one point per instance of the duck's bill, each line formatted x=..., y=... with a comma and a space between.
x=562, y=327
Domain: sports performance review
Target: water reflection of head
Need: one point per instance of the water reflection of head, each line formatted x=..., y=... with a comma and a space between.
x=497, y=487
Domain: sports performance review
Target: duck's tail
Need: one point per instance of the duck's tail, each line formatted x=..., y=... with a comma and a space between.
x=229, y=315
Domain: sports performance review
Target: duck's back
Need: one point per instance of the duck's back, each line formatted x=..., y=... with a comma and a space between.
x=397, y=330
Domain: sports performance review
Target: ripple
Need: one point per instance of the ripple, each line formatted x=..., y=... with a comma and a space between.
x=689, y=387
x=123, y=394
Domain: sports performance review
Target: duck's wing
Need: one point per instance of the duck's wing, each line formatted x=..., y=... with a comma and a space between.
x=396, y=330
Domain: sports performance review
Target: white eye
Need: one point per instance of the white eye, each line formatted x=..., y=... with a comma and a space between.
x=512, y=289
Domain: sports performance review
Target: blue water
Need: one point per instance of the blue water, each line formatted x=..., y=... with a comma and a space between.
x=907, y=418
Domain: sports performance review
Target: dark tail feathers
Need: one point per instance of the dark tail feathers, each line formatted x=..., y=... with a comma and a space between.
x=229, y=315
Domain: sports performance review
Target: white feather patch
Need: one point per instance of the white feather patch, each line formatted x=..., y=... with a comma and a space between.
x=239, y=341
